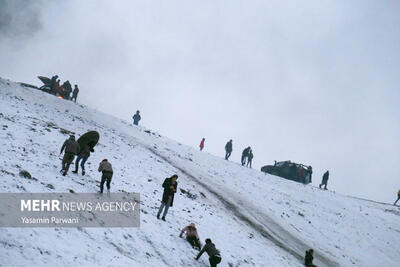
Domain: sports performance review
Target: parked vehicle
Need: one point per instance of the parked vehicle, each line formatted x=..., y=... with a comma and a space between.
x=290, y=170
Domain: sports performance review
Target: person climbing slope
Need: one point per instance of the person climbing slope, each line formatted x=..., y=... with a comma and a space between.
x=213, y=253
x=170, y=186
x=250, y=157
x=324, y=182
x=398, y=197
x=202, y=144
x=71, y=149
x=245, y=153
x=191, y=236
x=308, y=259
x=106, y=169
x=136, y=118
x=228, y=149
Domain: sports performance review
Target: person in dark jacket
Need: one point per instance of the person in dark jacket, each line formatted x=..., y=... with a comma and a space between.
x=228, y=149
x=136, y=118
x=83, y=155
x=53, y=86
x=213, y=253
x=192, y=236
x=245, y=153
x=325, y=178
x=75, y=93
x=170, y=186
x=398, y=198
x=71, y=149
x=250, y=157
x=308, y=259
x=106, y=169
x=202, y=144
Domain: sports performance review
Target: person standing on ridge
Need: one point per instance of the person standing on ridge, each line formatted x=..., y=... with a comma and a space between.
x=213, y=253
x=250, y=157
x=398, y=198
x=106, y=168
x=228, y=149
x=136, y=118
x=245, y=153
x=170, y=186
x=324, y=182
x=71, y=149
x=191, y=236
x=75, y=93
x=53, y=87
x=202, y=144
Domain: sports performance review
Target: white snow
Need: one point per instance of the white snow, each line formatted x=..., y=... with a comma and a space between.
x=253, y=218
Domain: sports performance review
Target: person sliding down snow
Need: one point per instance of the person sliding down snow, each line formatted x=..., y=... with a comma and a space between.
x=170, y=185
x=106, y=168
x=71, y=149
x=228, y=149
x=202, y=144
x=325, y=180
x=213, y=253
x=398, y=198
x=308, y=259
x=191, y=236
x=136, y=118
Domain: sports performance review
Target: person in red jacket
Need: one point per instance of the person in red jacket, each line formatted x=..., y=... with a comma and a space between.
x=202, y=144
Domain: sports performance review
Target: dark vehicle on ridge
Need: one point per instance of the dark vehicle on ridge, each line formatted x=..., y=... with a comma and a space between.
x=290, y=170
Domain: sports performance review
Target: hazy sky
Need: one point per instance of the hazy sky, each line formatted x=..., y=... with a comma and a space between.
x=316, y=82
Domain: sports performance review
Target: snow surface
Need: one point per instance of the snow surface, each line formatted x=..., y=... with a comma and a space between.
x=253, y=218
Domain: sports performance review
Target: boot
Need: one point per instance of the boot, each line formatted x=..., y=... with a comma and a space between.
x=163, y=218
x=158, y=216
x=76, y=171
x=64, y=174
x=83, y=172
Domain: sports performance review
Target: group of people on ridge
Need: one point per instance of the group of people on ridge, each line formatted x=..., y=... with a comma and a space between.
x=170, y=186
x=71, y=148
x=63, y=90
x=247, y=154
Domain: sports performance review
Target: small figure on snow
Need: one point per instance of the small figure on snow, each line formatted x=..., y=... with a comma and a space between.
x=106, y=168
x=192, y=236
x=308, y=259
x=250, y=157
x=325, y=178
x=228, y=149
x=136, y=118
x=75, y=93
x=170, y=186
x=245, y=153
x=202, y=144
x=398, y=198
x=71, y=149
x=213, y=253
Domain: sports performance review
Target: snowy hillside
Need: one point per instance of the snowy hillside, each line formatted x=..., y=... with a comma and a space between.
x=253, y=218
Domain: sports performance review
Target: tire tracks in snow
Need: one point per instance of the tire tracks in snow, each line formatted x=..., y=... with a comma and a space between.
x=255, y=218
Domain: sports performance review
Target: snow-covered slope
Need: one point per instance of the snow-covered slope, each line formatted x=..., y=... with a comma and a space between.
x=253, y=218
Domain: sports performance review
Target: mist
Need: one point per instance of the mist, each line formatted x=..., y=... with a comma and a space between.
x=314, y=82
